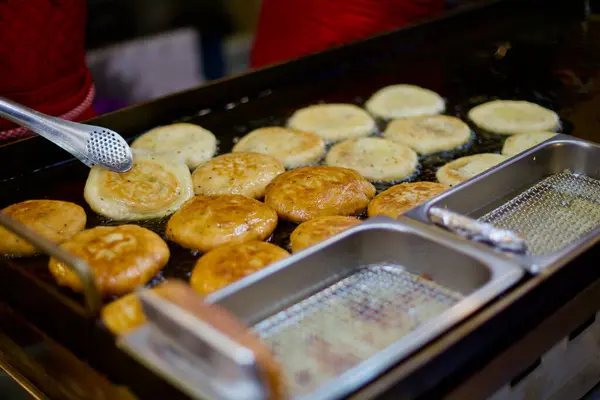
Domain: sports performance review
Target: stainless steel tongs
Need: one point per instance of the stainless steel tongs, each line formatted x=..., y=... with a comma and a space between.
x=500, y=239
x=90, y=144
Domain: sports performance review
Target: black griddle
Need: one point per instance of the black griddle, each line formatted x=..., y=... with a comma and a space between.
x=549, y=61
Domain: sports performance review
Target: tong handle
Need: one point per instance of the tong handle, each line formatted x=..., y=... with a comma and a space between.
x=42, y=124
x=236, y=363
x=80, y=267
x=56, y=130
x=501, y=239
x=21, y=115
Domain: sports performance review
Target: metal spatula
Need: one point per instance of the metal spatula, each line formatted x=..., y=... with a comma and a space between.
x=90, y=144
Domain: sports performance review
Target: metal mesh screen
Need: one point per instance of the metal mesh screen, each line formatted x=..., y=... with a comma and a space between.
x=334, y=330
x=553, y=213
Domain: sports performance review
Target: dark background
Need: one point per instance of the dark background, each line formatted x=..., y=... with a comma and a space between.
x=197, y=40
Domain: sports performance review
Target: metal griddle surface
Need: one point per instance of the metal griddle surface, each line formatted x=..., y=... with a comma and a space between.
x=464, y=76
x=546, y=59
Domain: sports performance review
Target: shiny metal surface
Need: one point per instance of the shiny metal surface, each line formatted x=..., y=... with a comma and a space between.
x=196, y=357
x=553, y=213
x=80, y=267
x=467, y=275
x=501, y=239
x=564, y=325
x=336, y=329
x=90, y=144
x=549, y=194
x=524, y=73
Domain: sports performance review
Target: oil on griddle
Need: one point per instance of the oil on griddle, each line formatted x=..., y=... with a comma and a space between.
x=465, y=80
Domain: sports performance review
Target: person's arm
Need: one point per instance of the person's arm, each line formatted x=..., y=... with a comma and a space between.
x=289, y=29
x=42, y=59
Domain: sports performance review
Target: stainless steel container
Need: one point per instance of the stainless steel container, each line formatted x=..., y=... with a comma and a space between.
x=549, y=195
x=336, y=315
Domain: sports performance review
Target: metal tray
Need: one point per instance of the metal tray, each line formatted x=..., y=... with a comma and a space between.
x=549, y=194
x=342, y=312
x=464, y=68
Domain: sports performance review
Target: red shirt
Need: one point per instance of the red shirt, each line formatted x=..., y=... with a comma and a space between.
x=42, y=59
x=42, y=55
x=289, y=29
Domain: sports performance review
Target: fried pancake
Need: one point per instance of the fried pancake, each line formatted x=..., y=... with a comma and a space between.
x=429, y=134
x=55, y=220
x=293, y=148
x=187, y=143
x=401, y=101
x=121, y=258
x=511, y=117
x=376, y=159
x=155, y=187
x=125, y=314
x=310, y=192
x=400, y=198
x=524, y=141
x=227, y=264
x=247, y=174
x=464, y=168
x=333, y=122
x=206, y=222
x=316, y=230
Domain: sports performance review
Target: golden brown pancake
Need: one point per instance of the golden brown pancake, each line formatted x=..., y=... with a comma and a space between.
x=125, y=314
x=206, y=222
x=376, y=159
x=400, y=198
x=316, y=230
x=516, y=144
x=310, y=192
x=401, y=101
x=333, y=122
x=467, y=167
x=55, y=220
x=247, y=174
x=293, y=148
x=510, y=117
x=430, y=133
x=227, y=264
x=121, y=258
x=183, y=142
x=154, y=187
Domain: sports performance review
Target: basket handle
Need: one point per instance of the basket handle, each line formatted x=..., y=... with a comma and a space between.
x=77, y=265
x=501, y=239
x=201, y=348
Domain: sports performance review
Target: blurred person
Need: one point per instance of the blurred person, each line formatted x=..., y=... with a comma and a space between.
x=42, y=45
x=42, y=60
x=289, y=29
